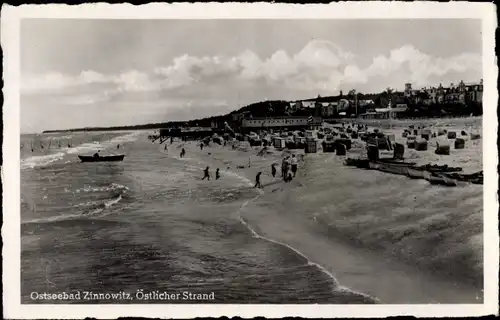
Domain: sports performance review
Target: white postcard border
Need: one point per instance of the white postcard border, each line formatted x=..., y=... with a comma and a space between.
x=10, y=22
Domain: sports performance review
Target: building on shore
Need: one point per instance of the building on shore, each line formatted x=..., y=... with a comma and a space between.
x=462, y=93
x=300, y=105
x=281, y=123
x=326, y=109
x=385, y=113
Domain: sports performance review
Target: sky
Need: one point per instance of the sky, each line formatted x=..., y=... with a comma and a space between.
x=89, y=72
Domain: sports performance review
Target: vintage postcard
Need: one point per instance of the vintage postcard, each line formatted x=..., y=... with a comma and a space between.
x=187, y=160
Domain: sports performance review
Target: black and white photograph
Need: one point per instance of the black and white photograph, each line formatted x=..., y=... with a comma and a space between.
x=258, y=157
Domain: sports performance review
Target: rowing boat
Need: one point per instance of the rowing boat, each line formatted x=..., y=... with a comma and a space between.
x=101, y=158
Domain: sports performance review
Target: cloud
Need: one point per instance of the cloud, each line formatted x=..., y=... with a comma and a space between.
x=320, y=67
x=422, y=67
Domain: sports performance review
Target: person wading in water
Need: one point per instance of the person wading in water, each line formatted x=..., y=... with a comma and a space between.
x=295, y=163
x=257, y=180
x=207, y=174
x=217, y=174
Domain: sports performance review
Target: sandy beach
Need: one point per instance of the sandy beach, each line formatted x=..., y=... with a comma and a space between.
x=401, y=240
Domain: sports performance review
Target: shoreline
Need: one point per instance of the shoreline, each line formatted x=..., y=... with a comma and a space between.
x=149, y=127
x=379, y=275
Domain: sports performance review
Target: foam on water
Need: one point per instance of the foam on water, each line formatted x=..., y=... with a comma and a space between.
x=113, y=186
x=338, y=287
x=53, y=218
x=105, y=205
x=258, y=236
x=44, y=160
x=96, y=207
x=40, y=161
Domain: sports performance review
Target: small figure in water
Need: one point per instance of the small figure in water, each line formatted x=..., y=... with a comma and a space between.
x=117, y=146
x=273, y=169
x=294, y=165
x=183, y=153
x=166, y=149
x=217, y=174
x=207, y=174
x=201, y=146
x=96, y=155
x=257, y=180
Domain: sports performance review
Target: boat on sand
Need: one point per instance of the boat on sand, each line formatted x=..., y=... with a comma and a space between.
x=439, y=180
x=415, y=174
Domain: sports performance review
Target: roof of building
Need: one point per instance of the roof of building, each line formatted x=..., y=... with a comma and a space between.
x=397, y=109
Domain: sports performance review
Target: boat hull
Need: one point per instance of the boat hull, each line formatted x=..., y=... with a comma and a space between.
x=415, y=174
x=439, y=180
x=102, y=158
x=394, y=168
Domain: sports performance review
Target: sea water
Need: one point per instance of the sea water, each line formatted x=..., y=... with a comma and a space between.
x=149, y=224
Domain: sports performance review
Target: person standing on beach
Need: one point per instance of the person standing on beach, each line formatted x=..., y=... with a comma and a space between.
x=201, y=146
x=183, y=152
x=295, y=163
x=257, y=180
x=286, y=167
x=273, y=169
x=166, y=149
x=217, y=174
x=207, y=174
x=283, y=166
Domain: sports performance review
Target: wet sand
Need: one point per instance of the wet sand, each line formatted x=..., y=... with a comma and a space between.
x=290, y=213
